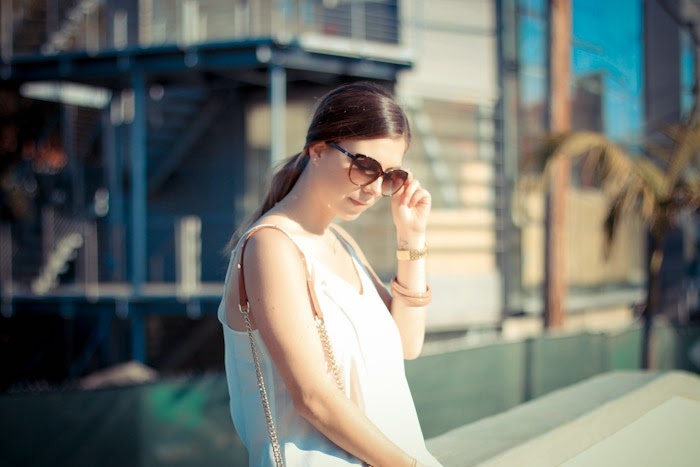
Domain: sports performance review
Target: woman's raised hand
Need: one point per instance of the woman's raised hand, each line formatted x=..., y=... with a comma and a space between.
x=410, y=208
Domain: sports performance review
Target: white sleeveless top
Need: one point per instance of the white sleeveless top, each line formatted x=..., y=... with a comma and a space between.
x=369, y=357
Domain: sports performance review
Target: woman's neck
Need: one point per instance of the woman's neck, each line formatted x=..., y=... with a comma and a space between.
x=304, y=210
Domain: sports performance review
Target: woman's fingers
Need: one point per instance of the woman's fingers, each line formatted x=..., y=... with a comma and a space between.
x=411, y=206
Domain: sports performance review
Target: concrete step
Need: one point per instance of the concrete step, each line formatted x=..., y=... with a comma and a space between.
x=614, y=418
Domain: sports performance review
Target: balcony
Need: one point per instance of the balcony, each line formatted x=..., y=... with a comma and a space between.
x=353, y=28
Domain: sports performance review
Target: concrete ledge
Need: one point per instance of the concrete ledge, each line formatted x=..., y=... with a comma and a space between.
x=558, y=426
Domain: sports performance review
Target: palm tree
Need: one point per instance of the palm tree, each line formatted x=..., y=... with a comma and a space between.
x=658, y=185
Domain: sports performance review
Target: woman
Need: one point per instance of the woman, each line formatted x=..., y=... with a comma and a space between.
x=335, y=395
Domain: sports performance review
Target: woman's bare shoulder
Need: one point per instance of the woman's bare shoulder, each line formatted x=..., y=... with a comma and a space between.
x=268, y=241
x=272, y=268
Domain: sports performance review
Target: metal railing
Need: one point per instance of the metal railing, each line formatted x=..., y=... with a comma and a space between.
x=94, y=26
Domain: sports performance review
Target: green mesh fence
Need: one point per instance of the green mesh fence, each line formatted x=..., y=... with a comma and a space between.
x=186, y=422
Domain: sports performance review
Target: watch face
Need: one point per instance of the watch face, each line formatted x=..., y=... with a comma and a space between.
x=412, y=254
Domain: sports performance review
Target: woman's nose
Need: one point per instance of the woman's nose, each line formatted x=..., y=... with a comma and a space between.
x=375, y=187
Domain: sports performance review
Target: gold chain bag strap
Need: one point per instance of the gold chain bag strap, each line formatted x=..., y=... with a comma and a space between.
x=244, y=307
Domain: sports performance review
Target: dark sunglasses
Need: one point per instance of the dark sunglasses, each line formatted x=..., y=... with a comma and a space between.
x=365, y=170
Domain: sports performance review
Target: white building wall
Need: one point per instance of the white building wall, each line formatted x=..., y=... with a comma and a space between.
x=450, y=94
x=454, y=48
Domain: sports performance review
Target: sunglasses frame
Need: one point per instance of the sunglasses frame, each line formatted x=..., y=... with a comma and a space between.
x=381, y=173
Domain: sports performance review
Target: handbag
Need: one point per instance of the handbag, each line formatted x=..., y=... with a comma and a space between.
x=244, y=307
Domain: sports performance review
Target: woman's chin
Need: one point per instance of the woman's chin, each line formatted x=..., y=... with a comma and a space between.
x=348, y=216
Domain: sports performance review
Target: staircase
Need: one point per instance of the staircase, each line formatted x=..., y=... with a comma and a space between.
x=62, y=238
x=57, y=262
x=177, y=119
x=43, y=250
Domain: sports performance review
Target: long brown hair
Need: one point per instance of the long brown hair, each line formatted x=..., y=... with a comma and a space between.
x=359, y=110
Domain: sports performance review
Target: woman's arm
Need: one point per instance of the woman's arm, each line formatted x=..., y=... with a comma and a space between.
x=280, y=307
x=410, y=209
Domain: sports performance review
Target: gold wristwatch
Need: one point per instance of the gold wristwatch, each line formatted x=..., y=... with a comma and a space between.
x=410, y=255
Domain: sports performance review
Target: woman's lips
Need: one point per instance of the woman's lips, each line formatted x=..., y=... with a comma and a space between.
x=358, y=203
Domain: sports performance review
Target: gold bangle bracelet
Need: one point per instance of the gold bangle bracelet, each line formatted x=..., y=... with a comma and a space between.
x=411, y=255
x=410, y=297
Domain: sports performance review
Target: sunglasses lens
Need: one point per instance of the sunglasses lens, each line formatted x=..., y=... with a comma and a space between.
x=364, y=170
x=394, y=182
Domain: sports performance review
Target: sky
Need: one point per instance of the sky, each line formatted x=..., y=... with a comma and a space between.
x=607, y=40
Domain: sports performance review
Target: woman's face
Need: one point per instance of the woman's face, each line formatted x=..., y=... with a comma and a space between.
x=343, y=197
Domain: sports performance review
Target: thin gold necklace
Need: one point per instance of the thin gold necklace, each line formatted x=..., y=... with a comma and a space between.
x=333, y=242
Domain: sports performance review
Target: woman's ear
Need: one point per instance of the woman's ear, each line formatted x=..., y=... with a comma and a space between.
x=316, y=150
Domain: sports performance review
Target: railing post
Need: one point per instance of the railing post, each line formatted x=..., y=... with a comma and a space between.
x=357, y=21
x=188, y=240
x=120, y=29
x=190, y=32
x=91, y=260
x=93, y=39
x=112, y=150
x=48, y=231
x=278, y=105
x=139, y=229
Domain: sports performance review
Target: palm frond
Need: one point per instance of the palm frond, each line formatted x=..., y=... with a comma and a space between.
x=536, y=161
x=610, y=224
x=635, y=184
x=687, y=148
x=662, y=153
x=673, y=132
x=652, y=176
